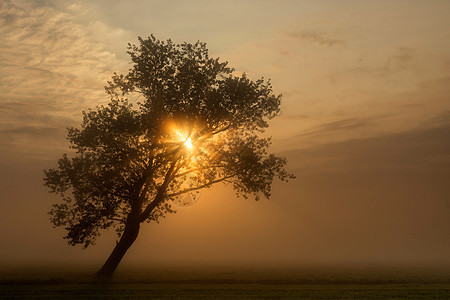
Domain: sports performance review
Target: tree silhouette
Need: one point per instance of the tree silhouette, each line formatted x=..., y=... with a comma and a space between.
x=196, y=125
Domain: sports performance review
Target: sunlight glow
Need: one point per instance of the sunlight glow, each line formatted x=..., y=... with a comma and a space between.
x=188, y=143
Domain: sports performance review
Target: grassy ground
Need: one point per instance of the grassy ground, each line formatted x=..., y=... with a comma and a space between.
x=227, y=291
x=226, y=284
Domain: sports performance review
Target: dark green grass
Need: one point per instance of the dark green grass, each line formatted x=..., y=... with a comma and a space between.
x=226, y=283
x=230, y=291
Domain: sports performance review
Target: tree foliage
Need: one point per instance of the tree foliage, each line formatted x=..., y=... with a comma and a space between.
x=196, y=125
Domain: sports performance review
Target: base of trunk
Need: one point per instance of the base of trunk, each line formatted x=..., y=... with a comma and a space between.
x=127, y=239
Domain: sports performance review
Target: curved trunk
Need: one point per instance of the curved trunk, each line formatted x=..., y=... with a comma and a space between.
x=126, y=240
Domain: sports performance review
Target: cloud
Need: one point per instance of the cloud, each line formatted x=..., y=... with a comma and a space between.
x=317, y=37
x=418, y=149
x=442, y=119
x=340, y=126
x=293, y=117
x=51, y=69
x=402, y=60
x=35, y=131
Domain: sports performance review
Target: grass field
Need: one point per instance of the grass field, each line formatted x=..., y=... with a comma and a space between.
x=141, y=283
x=230, y=291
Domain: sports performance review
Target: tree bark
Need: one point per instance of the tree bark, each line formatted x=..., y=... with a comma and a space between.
x=128, y=237
x=131, y=230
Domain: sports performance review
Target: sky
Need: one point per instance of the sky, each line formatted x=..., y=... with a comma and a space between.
x=364, y=124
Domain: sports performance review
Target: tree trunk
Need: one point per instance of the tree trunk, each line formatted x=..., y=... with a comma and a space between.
x=126, y=240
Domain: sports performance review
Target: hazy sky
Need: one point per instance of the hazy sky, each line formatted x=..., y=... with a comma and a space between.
x=365, y=126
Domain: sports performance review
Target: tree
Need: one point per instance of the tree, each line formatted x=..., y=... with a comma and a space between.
x=196, y=125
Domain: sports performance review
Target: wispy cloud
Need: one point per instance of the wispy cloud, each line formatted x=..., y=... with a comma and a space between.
x=319, y=38
x=442, y=119
x=401, y=59
x=50, y=70
x=420, y=149
x=335, y=127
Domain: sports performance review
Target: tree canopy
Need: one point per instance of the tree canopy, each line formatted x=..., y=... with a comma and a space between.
x=196, y=124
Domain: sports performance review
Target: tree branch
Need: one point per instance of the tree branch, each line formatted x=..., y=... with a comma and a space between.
x=160, y=194
x=118, y=220
x=200, y=186
x=198, y=169
x=221, y=130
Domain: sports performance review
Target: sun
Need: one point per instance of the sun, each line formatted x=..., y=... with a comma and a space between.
x=181, y=136
x=188, y=143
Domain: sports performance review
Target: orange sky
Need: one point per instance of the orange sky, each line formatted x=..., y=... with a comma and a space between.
x=365, y=125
